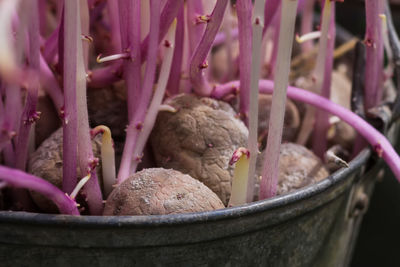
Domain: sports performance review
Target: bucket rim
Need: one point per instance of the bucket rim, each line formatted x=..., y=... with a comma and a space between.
x=187, y=218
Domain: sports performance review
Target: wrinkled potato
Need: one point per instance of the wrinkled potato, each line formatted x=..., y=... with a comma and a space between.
x=49, y=120
x=199, y=140
x=340, y=132
x=47, y=162
x=298, y=167
x=343, y=134
x=291, y=123
x=160, y=191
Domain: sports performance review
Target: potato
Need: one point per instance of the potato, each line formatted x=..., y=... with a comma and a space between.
x=291, y=123
x=107, y=106
x=47, y=162
x=49, y=120
x=159, y=191
x=298, y=167
x=199, y=140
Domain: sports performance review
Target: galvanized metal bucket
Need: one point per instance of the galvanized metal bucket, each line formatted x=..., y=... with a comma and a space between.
x=314, y=226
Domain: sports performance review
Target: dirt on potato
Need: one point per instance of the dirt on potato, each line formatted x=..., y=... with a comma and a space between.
x=199, y=139
x=160, y=191
x=47, y=162
x=298, y=167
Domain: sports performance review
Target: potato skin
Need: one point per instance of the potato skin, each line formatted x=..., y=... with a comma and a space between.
x=199, y=140
x=291, y=122
x=160, y=191
x=298, y=167
x=47, y=162
x=49, y=120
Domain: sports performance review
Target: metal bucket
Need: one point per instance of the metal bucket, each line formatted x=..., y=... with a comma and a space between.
x=314, y=226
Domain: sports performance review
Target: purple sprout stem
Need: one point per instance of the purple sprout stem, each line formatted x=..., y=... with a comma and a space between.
x=317, y=76
x=135, y=124
x=374, y=53
x=51, y=45
x=377, y=140
x=307, y=24
x=321, y=125
x=151, y=64
x=71, y=37
x=113, y=17
x=29, y=114
x=226, y=27
x=194, y=31
x=185, y=86
x=274, y=54
x=5, y=136
x=10, y=43
x=20, y=179
x=13, y=110
x=59, y=9
x=86, y=161
x=244, y=10
x=9, y=154
x=130, y=40
x=12, y=113
x=93, y=3
x=60, y=44
x=271, y=8
x=196, y=27
x=221, y=37
x=198, y=61
x=168, y=14
x=154, y=107
x=42, y=17
x=85, y=30
x=269, y=182
x=176, y=73
x=257, y=21
x=29, y=19
x=101, y=77
x=50, y=84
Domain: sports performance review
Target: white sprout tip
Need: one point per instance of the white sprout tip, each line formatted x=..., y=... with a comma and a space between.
x=331, y=157
x=308, y=36
x=99, y=59
x=87, y=38
x=334, y=120
x=79, y=186
x=167, y=108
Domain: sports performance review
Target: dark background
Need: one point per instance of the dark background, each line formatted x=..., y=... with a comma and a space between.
x=378, y=243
